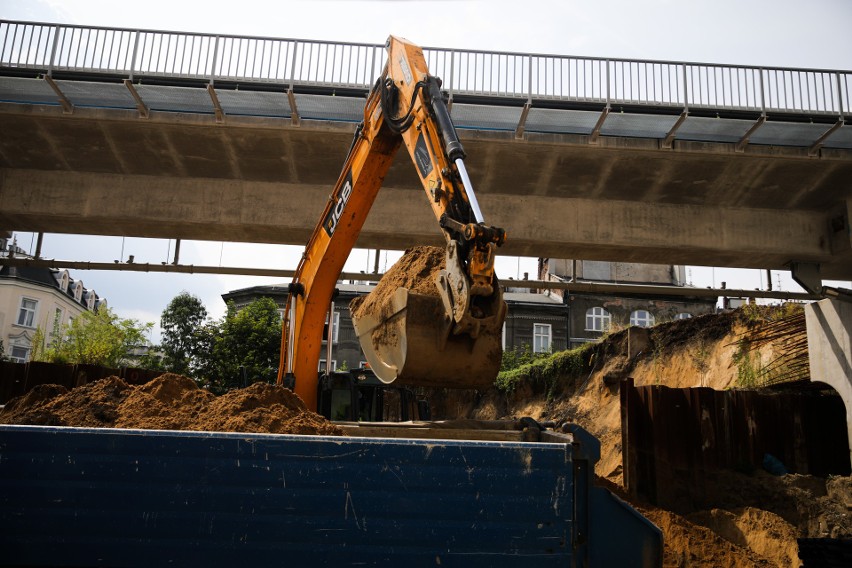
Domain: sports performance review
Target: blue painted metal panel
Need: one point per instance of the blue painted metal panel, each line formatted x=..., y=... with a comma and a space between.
x=72, y=496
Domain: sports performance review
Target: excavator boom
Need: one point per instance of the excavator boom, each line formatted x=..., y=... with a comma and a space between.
x=449, y=339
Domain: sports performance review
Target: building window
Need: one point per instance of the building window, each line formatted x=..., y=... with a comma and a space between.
x=63, y=281
x=321, y=368
x=19, y=354
x=541, y=337
x=335, y=327
x=598, y=319
x=26, y=317
x=683, y=316
x=642, y=318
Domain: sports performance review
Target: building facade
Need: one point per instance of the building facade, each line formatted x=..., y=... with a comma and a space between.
x=592, y=315
x=538, y=320
x=37, y=298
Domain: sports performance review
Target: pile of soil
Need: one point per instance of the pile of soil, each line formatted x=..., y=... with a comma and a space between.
x=169, y=402
x=415, y=270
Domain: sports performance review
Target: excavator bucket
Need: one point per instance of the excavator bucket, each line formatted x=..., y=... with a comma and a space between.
x=408, y=336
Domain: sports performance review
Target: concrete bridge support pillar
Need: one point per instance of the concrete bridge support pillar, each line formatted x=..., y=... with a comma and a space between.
x=829, y=327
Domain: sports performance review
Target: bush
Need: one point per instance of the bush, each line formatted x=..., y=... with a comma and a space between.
x=547, y=372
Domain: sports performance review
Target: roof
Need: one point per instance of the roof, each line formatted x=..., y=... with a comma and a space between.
x=32, y=274
x=49, y=277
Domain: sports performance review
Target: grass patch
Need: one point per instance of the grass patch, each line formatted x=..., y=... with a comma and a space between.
x=546, y=373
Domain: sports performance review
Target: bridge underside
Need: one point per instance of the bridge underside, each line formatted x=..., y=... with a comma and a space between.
x=251, y=179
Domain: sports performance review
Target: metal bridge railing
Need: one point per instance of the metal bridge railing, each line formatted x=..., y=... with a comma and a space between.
x=48, y=48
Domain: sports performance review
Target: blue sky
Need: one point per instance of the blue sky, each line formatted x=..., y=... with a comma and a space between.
x=759, y=32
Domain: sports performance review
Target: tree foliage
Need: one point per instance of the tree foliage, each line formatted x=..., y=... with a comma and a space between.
x=243, y=347
x=180, y=343
x=93, y=338
x=249, y=343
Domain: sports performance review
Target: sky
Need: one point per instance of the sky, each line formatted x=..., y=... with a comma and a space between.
x=784, y=33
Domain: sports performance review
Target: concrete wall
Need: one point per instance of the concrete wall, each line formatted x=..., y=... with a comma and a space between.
x=622, y=272
x=829, y=326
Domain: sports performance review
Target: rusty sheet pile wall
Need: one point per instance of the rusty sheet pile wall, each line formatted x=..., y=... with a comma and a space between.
x=672, y=438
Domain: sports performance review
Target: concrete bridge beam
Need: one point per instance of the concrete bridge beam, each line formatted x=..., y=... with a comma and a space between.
x=537, y=225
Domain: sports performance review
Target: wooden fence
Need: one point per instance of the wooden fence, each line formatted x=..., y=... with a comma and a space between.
x=18, y=378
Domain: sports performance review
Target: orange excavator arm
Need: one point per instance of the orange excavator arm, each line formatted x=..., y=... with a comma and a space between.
x=405, y=107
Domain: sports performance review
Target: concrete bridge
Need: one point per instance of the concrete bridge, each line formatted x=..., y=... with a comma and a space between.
x=193, y=136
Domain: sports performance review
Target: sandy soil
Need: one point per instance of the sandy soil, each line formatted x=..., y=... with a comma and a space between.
x=415, y=270
x=169, y=402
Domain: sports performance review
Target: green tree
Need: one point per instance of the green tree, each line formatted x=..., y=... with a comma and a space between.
x=250, y=339
x=180, y=322
x=207, y=370
x=93, y=338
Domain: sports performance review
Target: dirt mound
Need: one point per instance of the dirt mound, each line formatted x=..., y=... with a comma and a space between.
x=763, y=532
x=169, y=402
x=415, y=270
x=688, y=544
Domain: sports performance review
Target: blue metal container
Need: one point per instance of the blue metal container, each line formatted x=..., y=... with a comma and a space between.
x=107, y=497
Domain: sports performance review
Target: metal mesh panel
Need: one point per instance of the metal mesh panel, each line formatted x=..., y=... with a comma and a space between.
x=254, y=103
x=485, y=117
x=841, y=138
x=561, y=121
x=103, y=95
x=321, y=107
x=176, y=99
x=788, y=134
x=637, y=125
x=31, y=91
x=705, y=129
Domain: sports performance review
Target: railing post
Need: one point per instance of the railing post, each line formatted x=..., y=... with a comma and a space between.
x=762, y=94
x=608, y=98
x=293, y=66
x=685, y=88
x=529, y=78
x=839, y=95
x=215, y=60
x=452, y=72
x=53, y=51
x=372, y=76
x=133, y=56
